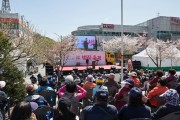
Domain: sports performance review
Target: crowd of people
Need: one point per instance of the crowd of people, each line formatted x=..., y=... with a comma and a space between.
x=142, y=94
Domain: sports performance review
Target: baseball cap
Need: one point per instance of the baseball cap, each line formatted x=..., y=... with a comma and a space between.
x=102, y=95
x=33, y=105
x=135, y=92
x=128, y=81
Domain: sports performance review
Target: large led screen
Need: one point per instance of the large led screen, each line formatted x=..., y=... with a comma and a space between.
x=86, y=42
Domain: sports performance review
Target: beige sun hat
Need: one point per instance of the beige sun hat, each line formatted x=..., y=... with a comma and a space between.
x=133, y=74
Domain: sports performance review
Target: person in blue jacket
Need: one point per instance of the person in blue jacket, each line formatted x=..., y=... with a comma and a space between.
x=43, y=85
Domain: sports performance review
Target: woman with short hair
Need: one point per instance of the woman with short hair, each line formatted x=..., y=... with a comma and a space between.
x=24, y=111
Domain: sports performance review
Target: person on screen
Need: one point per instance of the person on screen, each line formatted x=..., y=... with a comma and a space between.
x=86, y=44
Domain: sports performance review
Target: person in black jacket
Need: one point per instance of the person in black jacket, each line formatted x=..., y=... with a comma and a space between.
x=135, y=108
x=101, y=109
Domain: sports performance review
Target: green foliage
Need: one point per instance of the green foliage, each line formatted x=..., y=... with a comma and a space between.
x=15, y=87
x=41, y=45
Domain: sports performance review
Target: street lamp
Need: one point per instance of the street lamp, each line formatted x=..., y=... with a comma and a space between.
x=122, y=45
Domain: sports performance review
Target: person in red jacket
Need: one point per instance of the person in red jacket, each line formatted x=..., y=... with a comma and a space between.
x=156, y=91
x=121, y=98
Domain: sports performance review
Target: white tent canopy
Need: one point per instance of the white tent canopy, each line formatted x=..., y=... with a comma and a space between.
x=147, y=62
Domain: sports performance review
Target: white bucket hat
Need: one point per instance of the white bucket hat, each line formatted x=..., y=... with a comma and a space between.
x=2, y=84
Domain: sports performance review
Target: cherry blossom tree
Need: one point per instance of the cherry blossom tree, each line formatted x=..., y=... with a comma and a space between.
x=172, y=53
x=131, y=44
x=61, y=51
x=159, y=50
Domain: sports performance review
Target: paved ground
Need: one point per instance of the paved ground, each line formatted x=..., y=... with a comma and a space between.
x=41, y=70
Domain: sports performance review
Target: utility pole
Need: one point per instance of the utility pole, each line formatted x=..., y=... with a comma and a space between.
x=5, y=6
x=122, y=43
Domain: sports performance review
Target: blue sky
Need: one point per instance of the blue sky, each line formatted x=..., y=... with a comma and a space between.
x=51, y=17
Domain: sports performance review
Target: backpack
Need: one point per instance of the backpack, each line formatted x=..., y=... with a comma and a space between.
x=44, y=113
x=69, y=103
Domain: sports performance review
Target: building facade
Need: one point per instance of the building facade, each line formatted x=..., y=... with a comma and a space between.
x=162, y=27
x=15, y=25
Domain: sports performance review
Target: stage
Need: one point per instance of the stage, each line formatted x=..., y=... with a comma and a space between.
x=81, y=68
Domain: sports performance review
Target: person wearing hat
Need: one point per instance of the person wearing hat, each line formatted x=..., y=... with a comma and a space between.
x=135, y=107
x=32, y=97
x=88, y=86
x=172, y=104
x=101, y=109
x=121, y=98
x=3, y=103
x=112, y=86
x=89, y=82
x=24, y=111
x=99, y=83
x=111, y=82
x=133, y=76
x=69, y=78
x=2, y=85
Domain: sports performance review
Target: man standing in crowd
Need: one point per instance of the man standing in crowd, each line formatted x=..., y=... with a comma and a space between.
x=101, y=109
